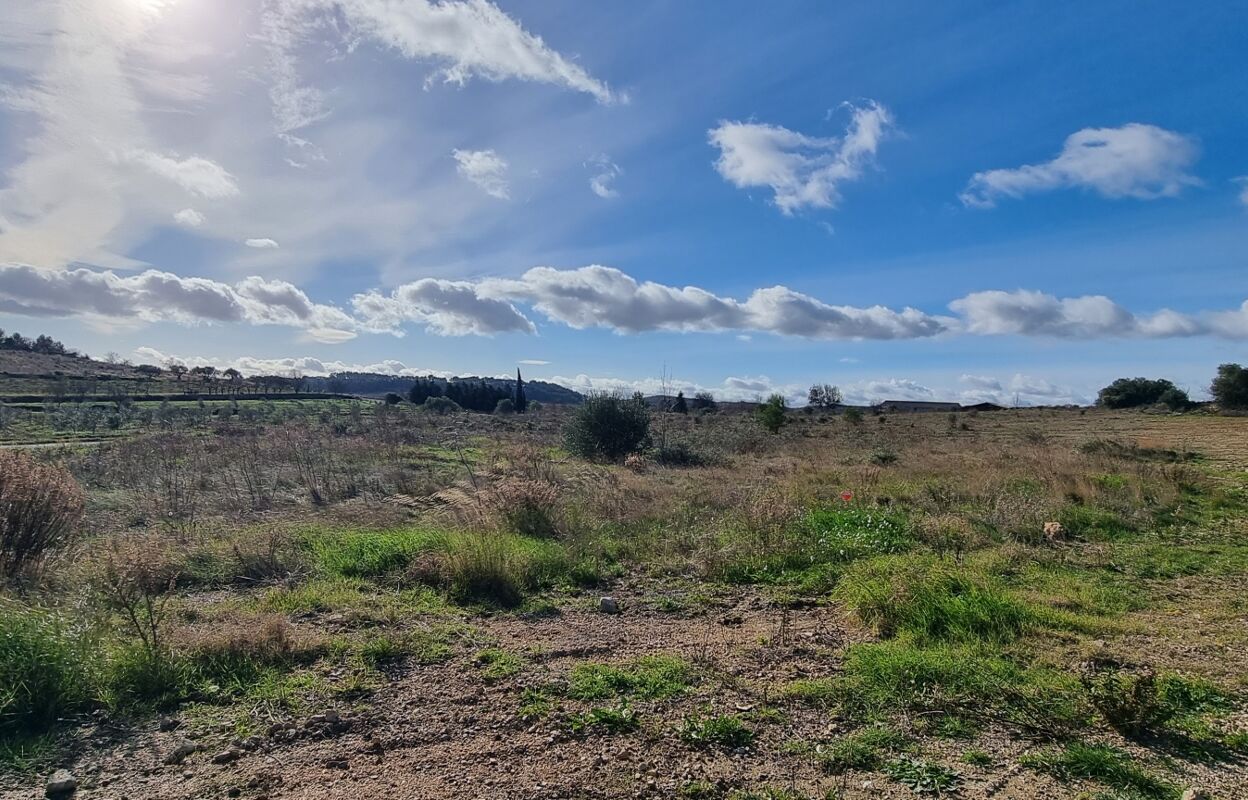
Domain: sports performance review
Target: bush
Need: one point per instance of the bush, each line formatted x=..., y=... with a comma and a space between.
x=42, y=674
x=1135, y=392
x=40, y=507
x=505, y=406
x=393, y=399
x=441, y=405
x=1230, y=387
x=608, y=426
x=680, y=454
x=771, y=413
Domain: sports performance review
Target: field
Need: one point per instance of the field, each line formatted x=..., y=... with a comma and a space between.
x=321, y=599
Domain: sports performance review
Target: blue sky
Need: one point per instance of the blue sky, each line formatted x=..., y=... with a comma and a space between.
x=953, y=200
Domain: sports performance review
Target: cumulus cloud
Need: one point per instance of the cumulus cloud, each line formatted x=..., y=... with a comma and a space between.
x=196, y=175
x=1029, y=313
x=1139, y=161
x=261, y=244
x=485, y=168
x=303, y=365
x=448, y=308
x=801, y=171
x=154, y=296
x=466, y=38
x=605, y=173
x=189, y=217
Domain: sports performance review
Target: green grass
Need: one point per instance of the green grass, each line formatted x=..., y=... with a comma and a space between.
x=724, y=730
x=370, y=554
x=881, y=679
x=817, y=692
x=43, y=672
x=496, y=664
x=923, y=776
x=862, y=750
x=649, y=677
x=931, y=600
x=977, y=758
x=1102, y=764
x=618, y=719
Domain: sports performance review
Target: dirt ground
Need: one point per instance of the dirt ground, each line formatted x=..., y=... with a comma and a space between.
x=441, y=731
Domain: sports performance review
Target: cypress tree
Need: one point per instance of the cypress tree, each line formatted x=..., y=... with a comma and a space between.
x=521, y=402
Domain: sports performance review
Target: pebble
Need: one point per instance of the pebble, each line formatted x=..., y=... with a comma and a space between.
x=227, y=756
x=178, y=754
x=608, y=605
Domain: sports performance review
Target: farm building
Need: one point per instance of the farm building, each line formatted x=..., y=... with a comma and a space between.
x=912, y=406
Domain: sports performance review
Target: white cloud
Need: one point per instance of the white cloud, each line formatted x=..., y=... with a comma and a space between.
x=1139, y=161
x=1029, y=313
x=1243, y=190
x=802, y=171
x=467, y=38
x=605, y=173
x=485, y=168
x=533, y=362
x=196, y=175
x=153, y=296
x=304, y=365
x=189, y=217
x=448, y=308
x=261, y=244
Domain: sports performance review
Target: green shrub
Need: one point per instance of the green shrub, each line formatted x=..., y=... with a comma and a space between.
x=496, y=664
x=1141, y=703
x=43, y=672
x=931, y=600
x=608, y=426
x=138, y=676
x=680, y=454
x=441, y=405
x=771, y=414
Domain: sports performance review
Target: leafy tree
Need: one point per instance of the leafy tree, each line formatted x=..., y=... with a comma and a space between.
x=771, y=413
x=1135, y=392
x=680, y=406
x=393, y=399
x=824, y=396
x=505, y=406
x=1230, y=387
x=704, y=401
x=608, y=425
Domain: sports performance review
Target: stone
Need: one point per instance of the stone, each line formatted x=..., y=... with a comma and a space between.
x=1193, y=793
x=608, y=605
x=227, y=756
x=179, y=754
x=61, y=784
x=167, y=724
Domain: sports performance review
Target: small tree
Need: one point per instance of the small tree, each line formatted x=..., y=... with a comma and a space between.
x=520, y=402
x=824, y=396
x=1230, y=387
x=505, y=406
x=680, y=406
x=771, y=413
x=704, y=401
x=608, y=425
x=393, y=398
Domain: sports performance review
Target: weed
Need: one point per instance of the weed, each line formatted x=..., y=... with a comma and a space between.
x=725, y=730
x=1103, y=764
x=496, y=664
x=619, y=719
x=863, y=750
x=977, y=758
x=650, y=677
x=923, y=776
x=43, y=672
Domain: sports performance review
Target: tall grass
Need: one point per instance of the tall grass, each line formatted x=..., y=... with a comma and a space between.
x=43, y=673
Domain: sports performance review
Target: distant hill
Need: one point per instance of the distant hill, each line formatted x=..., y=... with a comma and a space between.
x=371, y=384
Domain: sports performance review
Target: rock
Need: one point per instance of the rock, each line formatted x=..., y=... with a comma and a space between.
x=179, y=754
x=331, y=716
x=227, y=756
x=315, y=720
x=167, y=724
x=61, y=784
x=608, y=605
x=1196, y=794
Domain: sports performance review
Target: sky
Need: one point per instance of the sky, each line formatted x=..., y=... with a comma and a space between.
x=1015, y=202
